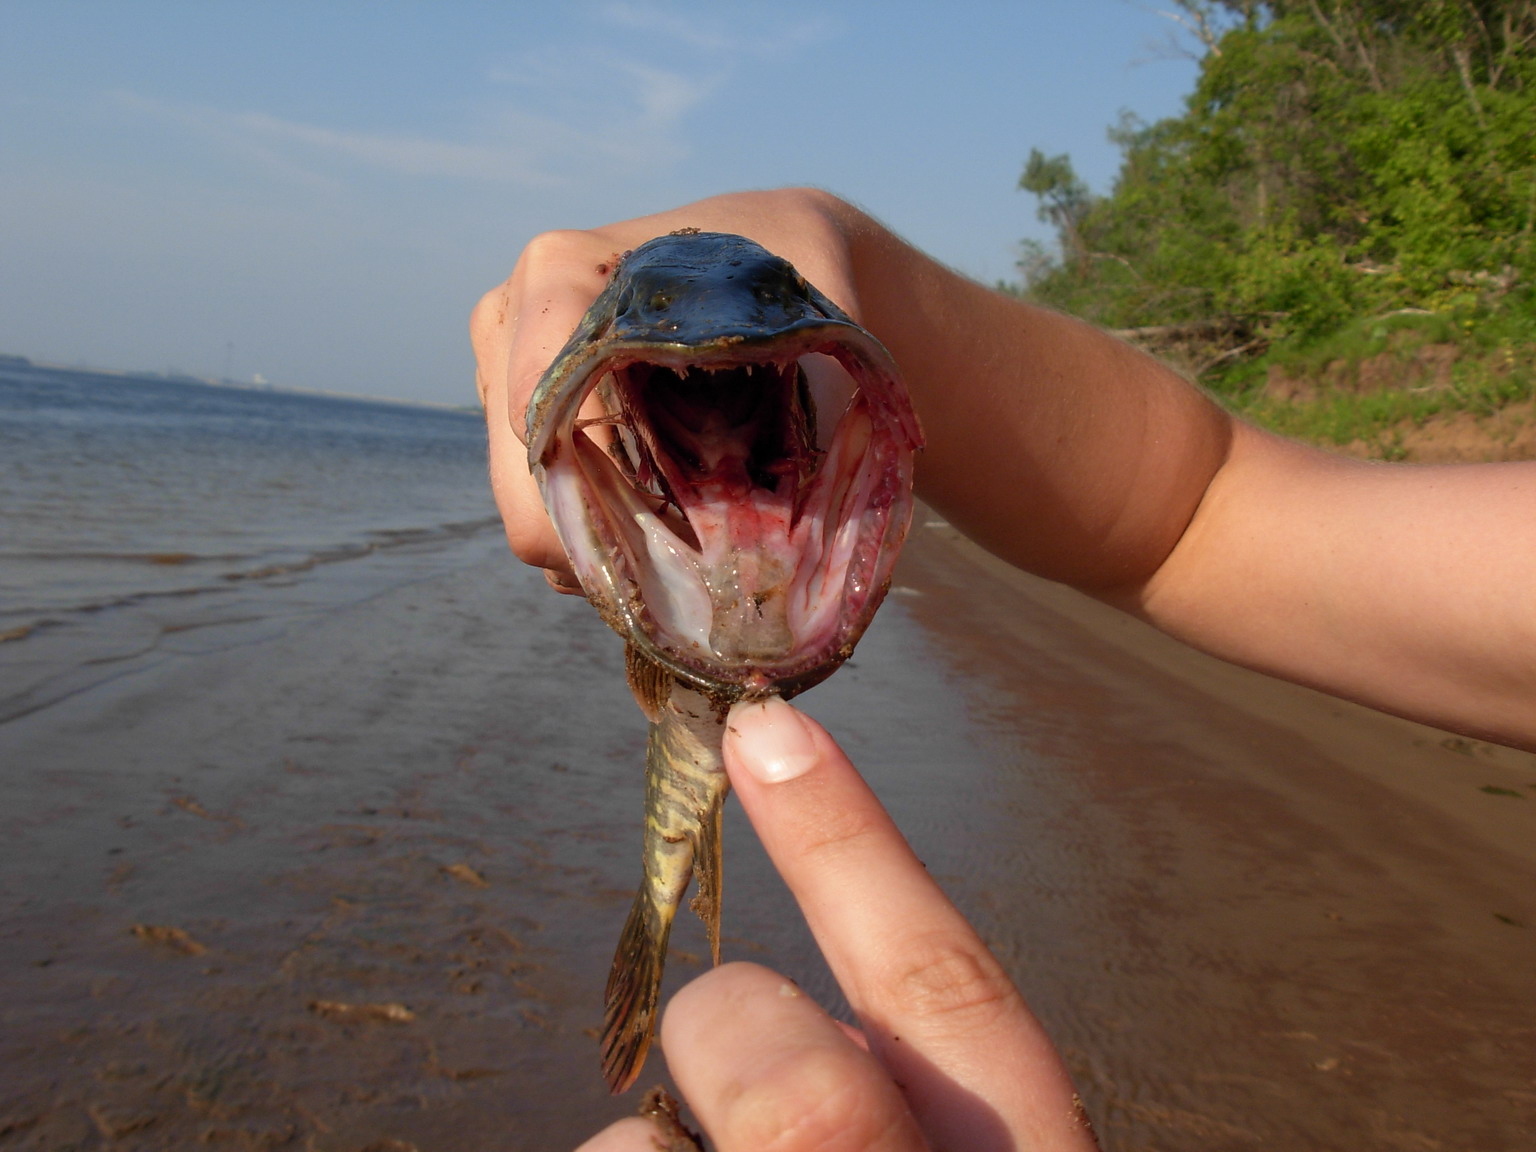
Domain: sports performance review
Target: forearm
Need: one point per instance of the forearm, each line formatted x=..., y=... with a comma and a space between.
x=1052, y=444
x=1408, y=588
x=1078, y=458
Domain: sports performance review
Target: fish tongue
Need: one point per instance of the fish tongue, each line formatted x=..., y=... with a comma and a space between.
x=749, y=564
x=721, y=443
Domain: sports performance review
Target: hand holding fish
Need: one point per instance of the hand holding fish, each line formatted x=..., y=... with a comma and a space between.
x=1076, y=457
x=520, y=326
x=949, y=1055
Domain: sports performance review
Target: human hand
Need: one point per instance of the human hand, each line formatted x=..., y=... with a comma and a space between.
x=518, y=327
x=949, y=1055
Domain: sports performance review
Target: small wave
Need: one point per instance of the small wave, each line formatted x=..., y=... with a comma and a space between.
x=168, y=559
x=382, y=539
x=237, y=569
x=60, y=652
x=302, y=564
x=453, y=529
x=46, y=618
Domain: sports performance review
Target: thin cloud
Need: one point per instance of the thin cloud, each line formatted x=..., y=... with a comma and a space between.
x=604, y=106
x=403, y=155
x=693, y=31
x=598, y=86
x=623, y=92
x=617, y=98
x=311, y=153
x=663, y=97
x=757, y=32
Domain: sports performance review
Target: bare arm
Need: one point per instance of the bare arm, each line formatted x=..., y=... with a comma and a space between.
x=1066, y=452
x=1410, y=588
x=1079, y=458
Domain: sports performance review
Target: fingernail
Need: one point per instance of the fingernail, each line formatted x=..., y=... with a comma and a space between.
x=770, y=740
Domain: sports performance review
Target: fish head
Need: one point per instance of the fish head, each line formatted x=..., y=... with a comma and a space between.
x=727, y=459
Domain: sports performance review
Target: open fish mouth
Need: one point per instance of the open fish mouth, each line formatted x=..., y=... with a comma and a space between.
x=727, y=459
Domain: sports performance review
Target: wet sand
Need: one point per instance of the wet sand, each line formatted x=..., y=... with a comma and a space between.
x=353, y=882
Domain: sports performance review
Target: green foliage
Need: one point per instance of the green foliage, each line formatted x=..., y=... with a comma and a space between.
x=1491, y=366
x=1342, y=416
x=1338, y=160
x=1063, y=197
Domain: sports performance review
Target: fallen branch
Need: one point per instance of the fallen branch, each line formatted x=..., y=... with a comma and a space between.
x=1189, y=330
x=1232, y=354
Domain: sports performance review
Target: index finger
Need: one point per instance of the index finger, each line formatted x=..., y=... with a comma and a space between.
x=938, y=1009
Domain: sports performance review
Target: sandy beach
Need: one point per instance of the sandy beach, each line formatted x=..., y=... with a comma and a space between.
x=348, y=877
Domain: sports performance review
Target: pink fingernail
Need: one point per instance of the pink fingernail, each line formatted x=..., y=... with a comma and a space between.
x=770, y=740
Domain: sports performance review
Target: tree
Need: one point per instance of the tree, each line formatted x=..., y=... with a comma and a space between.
x=1064, y=199
x=1336, y=158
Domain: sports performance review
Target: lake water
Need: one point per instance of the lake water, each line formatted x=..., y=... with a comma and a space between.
x=135, y=508
x=283, y=725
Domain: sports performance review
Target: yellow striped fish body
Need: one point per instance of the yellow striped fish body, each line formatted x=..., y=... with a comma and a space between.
x=727, y=458
x=685, y=790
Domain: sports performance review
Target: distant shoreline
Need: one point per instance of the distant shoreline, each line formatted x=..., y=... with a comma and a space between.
x=15, y=361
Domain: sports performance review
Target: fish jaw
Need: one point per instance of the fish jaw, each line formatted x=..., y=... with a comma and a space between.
x=732, y=506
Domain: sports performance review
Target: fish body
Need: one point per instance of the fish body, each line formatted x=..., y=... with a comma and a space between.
x=685, y=791
x=727, y=459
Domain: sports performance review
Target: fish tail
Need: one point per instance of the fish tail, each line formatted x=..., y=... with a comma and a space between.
x=634, y=986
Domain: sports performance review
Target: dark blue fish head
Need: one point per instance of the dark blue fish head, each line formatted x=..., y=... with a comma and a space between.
x=727, y=458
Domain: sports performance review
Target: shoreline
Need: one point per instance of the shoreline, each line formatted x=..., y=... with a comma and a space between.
x=1423, y=764
x=354, y=882
x=16, y=363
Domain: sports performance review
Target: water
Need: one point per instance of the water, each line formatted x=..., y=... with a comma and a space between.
x=136, y=508
x=1249, y=916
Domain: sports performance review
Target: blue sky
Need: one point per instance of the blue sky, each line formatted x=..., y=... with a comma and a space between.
x=318, y=192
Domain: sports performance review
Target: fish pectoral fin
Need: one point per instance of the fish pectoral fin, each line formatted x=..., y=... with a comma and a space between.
x=648, y=680
x=707, y=870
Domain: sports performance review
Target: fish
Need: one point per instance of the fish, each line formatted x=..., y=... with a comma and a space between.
x=727, y=458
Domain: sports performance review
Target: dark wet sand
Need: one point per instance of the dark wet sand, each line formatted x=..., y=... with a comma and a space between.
x=355, y=885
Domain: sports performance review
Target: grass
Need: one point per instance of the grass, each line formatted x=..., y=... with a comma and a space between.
x=1339, y=396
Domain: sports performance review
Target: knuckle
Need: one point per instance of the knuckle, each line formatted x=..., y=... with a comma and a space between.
x=534, y=544
x=494, y=314
x=818, y=1102
x=556, y=242
x=835, y=832
x=955, y=982
x=557, y=251
x=488, y=314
